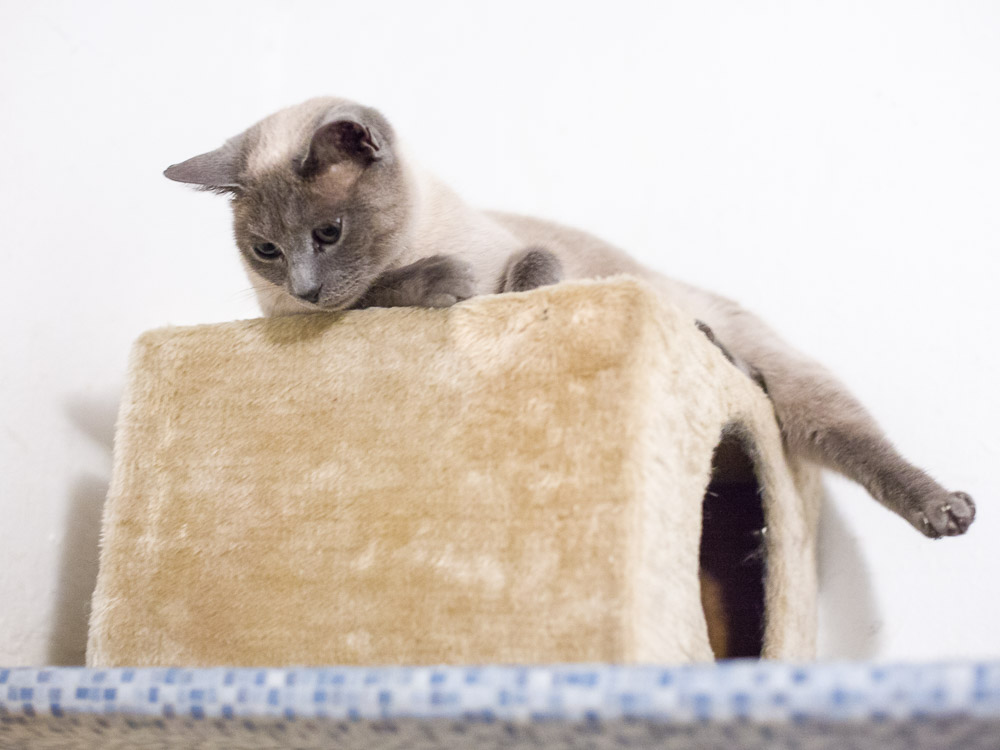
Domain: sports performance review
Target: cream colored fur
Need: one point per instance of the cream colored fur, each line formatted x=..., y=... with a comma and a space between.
x=517, y=478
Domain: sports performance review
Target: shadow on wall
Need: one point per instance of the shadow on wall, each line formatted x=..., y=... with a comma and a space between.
x=849, y=618
x=95, y=418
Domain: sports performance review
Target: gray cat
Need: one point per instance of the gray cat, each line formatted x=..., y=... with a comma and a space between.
x=331, y=213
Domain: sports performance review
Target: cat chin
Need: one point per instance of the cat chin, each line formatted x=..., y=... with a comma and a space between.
x=343, y=302
x=285, y=304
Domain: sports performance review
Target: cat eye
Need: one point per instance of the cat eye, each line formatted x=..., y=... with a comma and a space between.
x=328, y=234
x=267, y=251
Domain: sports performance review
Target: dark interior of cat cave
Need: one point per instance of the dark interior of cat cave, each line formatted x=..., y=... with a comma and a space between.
x=732, y=550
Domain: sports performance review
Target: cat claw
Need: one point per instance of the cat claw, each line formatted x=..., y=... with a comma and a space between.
x=948, y=517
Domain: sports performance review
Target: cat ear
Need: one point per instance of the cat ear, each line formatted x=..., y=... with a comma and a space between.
x=342, y=138
x=215, y=170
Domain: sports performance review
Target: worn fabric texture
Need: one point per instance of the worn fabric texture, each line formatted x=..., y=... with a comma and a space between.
x=516, y=479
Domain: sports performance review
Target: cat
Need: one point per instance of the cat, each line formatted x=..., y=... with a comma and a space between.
x=331, y=213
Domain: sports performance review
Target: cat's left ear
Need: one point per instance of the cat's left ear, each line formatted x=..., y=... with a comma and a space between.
x=215, y=170
x=360, y=137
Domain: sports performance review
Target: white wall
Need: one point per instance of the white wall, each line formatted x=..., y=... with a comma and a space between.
x=833, y=165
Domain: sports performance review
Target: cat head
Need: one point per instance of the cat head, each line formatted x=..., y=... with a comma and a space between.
x=320, y=202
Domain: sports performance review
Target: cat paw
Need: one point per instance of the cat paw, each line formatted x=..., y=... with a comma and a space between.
x=437, y=281
x=945, y=514
x=529, y=269
x=440, y=281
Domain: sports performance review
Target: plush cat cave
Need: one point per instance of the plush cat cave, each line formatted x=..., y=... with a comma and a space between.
x=573, y=474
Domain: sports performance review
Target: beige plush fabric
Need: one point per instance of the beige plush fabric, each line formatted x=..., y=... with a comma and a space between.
x=514, y=479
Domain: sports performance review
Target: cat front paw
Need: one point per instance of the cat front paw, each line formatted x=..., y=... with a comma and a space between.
x=441, y=281
x=945, y=514
x=529, y=269
x=437, y=281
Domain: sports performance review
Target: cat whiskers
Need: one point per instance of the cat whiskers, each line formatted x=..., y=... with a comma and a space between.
x=269, y=293
x=243, y=294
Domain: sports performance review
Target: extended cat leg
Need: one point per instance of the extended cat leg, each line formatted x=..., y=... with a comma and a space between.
x=821, y=420
x=437, y=281
x=530, y=268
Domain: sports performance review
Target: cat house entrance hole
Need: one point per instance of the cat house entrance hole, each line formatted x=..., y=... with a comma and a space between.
x=732, y=559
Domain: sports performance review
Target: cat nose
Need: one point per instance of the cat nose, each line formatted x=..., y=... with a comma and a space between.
x=310, y=295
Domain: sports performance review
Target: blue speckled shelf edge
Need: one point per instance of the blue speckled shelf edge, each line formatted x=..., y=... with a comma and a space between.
x=739, y=690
